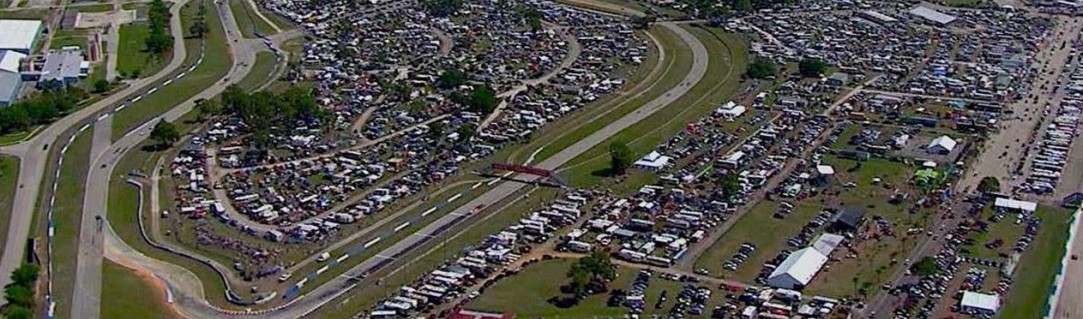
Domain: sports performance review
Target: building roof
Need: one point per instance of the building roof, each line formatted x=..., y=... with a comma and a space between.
x=880, y=16
x=9, y=86
x=9, y=60
x=62, y=64
x=932, y=15
x=980, y=301
x=18, y=34
x=827, y=242
x=825, y=169
x=945, y=142
x=850, y=216
x=801, y=265
x=471, y=314
x=1015, y=204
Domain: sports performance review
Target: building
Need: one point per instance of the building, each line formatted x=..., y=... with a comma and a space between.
x=838, y=79
x=848, y=220
x=1021, y=206
x=10, y=79
x=471, y=314
x=730, y=110
x=827, y=242
x=20, y=35
x=942, y=145
x=877, y=17
x=798, y=269
x=64, y=66
x=933, y=17
x=979, y=303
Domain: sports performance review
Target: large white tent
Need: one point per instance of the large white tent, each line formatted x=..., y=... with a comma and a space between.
x=942, y=145
x=979, y=302
x=798, y=269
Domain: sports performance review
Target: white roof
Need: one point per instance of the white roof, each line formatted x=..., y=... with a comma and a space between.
x=825, y=169
x=944, y=141
x=18, y=34
x=653, y=160
x=932, y=15
x=826, y=243
x=801, y=266
x=9, y=61
x=980, y=301
x=1016, y=204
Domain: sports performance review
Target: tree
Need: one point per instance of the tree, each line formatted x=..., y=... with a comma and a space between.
x=620, y=157
x=743, y=5
x=158, y=40
x=436, y=130
x=812, y=67
x=441, y=8
x=205, y=108
x=532, y=16
x=595, y=269
x=450, y=79
x=19, y=295
x=482, y=99
x=924, y=267
x=165, y=133
x=26, y=275
x=989, y=184
x=101, y=85
x=466, y=131
x=18, y=312
x=761, y=68
x=731, y=186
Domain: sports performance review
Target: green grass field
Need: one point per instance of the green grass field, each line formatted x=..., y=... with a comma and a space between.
x=261, y=72
x=728, y=56
x=9, y=178
x=35, y=14
x=148, y=303
x=758, y=227
x=1039, y=266
x=132, y=54
x=526, y=294
x=248, y=21
x=64, y=38
x=206, y=74
x=93, y=8
x=67, y=216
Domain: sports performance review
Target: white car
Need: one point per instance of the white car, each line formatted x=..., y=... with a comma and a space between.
x=284, y=277
x=323, y=257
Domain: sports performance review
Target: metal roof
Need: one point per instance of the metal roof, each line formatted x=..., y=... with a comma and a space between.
x=932, y=15
x=19, y=35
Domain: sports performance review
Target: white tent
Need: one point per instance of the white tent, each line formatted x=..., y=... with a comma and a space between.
x=825, y=169
x=979, y=302
x=798, y=269
x=730, y=110
x=827, y=242
x=1015, y=204
x=654, y=160
x=942, y=145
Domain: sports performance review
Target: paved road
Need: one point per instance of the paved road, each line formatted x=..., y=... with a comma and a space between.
x=105, y=155
x=33, y=153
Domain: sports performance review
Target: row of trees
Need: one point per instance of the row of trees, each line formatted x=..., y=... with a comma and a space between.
x=262, y=110
x=199, y=25
x=40, y=108
x=441, y=8
x=158, y=40
x=20, y=293
x=762, y=67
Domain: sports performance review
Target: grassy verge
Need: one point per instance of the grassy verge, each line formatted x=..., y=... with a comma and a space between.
x=728, y=57
x=65, y=38
x=1039, y=266
x=17, y=137
x=67, y=216
x=105, y=7
x=134, y=57
x=147, y=304
x=248, y=21
x=9, y=178
x=206, y=74
x=34, y=14
x=261, y=73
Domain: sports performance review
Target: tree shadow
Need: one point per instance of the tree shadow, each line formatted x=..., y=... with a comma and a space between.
x=604, y=172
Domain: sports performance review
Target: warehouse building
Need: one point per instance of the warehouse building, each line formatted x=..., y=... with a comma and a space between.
x=19, y=35
x=10, y=79
x=798, y=269
x=933, y=17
